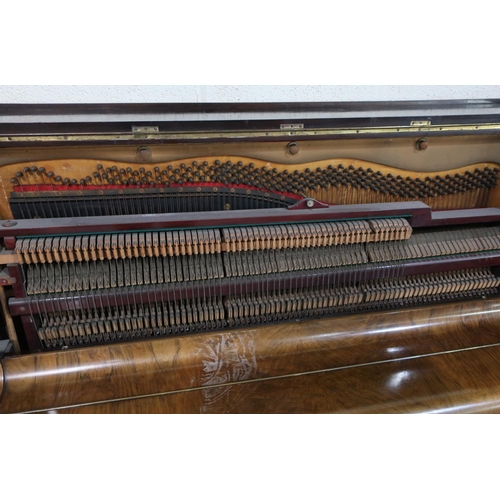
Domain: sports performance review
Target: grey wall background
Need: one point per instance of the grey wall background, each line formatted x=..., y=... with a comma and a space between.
x=238, y=93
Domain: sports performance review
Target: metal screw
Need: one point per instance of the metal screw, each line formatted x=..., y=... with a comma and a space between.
x=292, y=148
x=144, y=153
x=310, y=203
x=422, y=144
x=9, y=223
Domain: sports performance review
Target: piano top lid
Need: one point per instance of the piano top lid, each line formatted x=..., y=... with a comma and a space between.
x=23, y=124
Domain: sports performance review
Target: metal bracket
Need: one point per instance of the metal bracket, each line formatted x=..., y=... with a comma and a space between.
x=421, y=123
x=308, y=203
x=291, y=126
x=137, y=130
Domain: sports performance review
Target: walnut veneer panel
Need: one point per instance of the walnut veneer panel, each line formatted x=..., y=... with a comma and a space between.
x=460, y=382
x=96, y=374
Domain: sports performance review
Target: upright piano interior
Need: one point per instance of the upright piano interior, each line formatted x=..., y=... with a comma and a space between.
x=251, y=258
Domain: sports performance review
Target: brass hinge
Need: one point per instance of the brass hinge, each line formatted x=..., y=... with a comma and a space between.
x=144, y=130
x=291, y=126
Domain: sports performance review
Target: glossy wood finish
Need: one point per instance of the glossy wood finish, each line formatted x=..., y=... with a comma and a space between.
x=459, y=382
x=205, y=110
x=149, y=368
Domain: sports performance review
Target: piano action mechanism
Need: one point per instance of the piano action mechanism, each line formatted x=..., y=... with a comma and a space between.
x=213, y=279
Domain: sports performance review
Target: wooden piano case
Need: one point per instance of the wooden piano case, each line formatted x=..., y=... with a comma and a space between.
x=251, y=258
